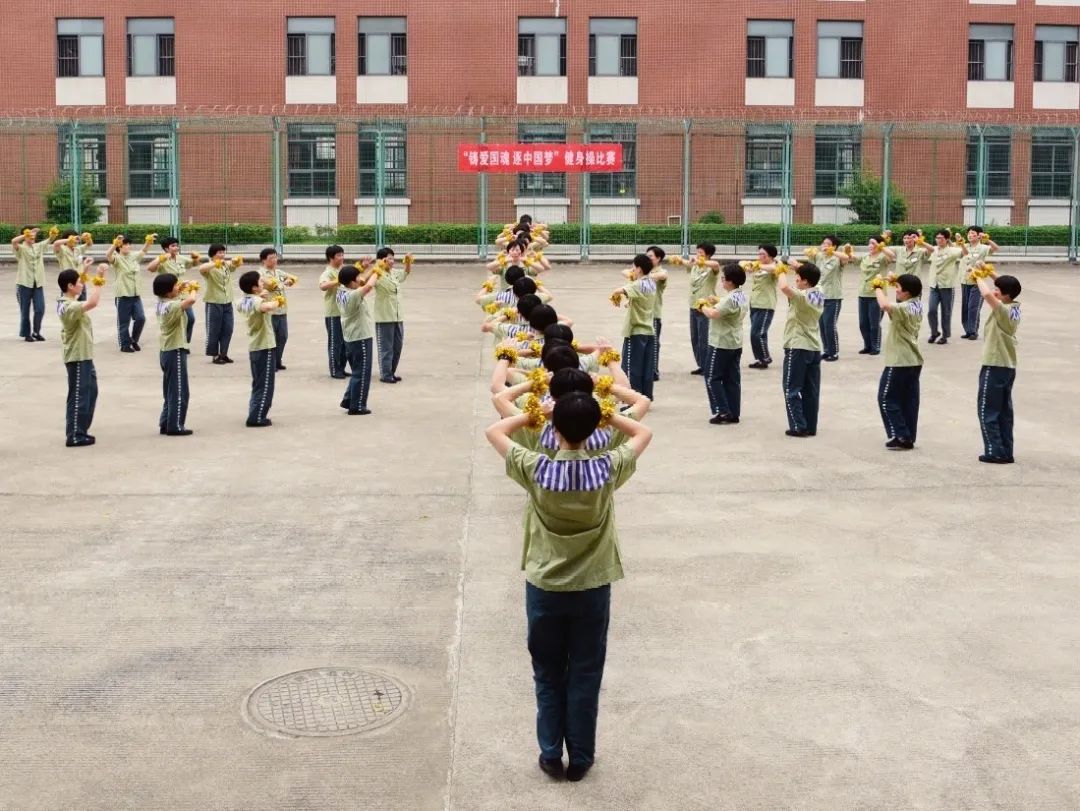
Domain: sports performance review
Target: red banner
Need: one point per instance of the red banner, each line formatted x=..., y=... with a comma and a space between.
x=540, y=157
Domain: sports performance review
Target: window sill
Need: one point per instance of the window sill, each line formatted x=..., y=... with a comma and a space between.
x=969, y=202
x=390, y=201
x=614, y=201
x=842, y=202
x=1049, y=202
x=540, y=200
x=148, y=201
x=312, y=202
x=765, y=201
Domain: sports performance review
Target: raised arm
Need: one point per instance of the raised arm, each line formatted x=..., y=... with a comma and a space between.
x=883, y=300
x=499, y=433
x=505, y=399
x=639, y=403
x=784, y=287
x=987, y=287
x=639, y=435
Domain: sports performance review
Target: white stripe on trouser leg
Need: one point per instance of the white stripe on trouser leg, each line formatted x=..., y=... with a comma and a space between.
x=789, y=361
x=984, y=384
x=179, y=393
x=75, y=413
x=836, y=331
x=119, y=326
x=365, y=374
x=709, y=381
x=266, y=379
x=890, y=429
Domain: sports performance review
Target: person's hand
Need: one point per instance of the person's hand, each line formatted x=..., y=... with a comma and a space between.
x=603, y=343
x=547, y=408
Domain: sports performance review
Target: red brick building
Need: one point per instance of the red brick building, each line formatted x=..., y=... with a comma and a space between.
x=217, y=87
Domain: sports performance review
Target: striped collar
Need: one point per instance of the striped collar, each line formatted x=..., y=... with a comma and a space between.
x=573, y=471
x=597, y=440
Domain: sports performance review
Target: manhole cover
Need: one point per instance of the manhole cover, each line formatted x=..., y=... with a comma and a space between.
x=326, y=701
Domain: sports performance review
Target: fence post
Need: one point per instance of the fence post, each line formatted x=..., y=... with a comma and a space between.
x=482, y=231
x=75, y=186
x=275, y=184
x=785, y=203
x=380, y=186
x=174, y=178
x=586, y=215
x=686, y=186
x=886, y=174
x=980, y=179
x=1074, y=218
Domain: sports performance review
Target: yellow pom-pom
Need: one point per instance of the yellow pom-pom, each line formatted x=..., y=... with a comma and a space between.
x=608, y=409
x=676, y=260
x=99, y=281
x=237, y=261
x=539, y=379
x=780, y=269
x=603, y=385
x=280, y=300
x=218, y=263
x=488, y=286
x=502, y=260
x=616, y=298
x=491, y=308
x=409, y=260
x=575, y=346
x=87, y=238
x=54, y=232
x=536, y=348
x=291, y=280
x=523, y=336
x=359, y=265
x=27, y=233
x=270, y=283
x=700, y=303
x=117, y=241
x=878, y=283
x=811, y=253
x=150, y=238
x=71, y=241
x=609, y=356
x=507, y=353
x=84, y=277
x=539, y=256
x=534, y=411
x=509, y=313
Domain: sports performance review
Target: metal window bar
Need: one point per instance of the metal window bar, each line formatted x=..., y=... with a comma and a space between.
x=526, y=62
x=562, y=55
x=755, y=57
x=361, y=54
x=1051, y=167
x=296, y=59
x=764, y=166
x=67, y=56
x=1072, y=58
x=399, y=55
x=628, y=55
x=542, y=184
x=592, y=54
x=1038, y=60
x=166, y=45
x=851, y=58
x=976, y=60
x=616, y=184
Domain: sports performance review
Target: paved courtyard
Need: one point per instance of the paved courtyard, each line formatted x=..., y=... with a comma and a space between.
x=805, y=624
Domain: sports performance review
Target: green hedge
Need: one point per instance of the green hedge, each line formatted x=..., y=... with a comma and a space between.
x=747, y=235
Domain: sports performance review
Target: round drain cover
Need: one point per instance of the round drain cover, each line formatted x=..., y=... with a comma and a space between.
x=326, y=702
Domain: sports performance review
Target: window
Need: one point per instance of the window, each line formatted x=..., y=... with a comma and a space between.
x=1056, y=52
x=615, y=184
x=89, y=156
x=80, y=48
x=310, y=47
x=149, y=163
x=990, y=50
x=837, y=154
x=382, y=47
x=998, y=162
x=840, y=50
x=542, y=184
x=541, y=46
x=1051, y=164
x=613, y=46
x=764, y=162
x=770, y=49
x=151, y=47
x=393, y=144
x=312, y=160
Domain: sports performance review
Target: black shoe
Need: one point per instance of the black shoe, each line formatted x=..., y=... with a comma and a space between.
x=697, y=372
x=359, y=412
x=724, y=419
x=874, y=352
x=864, y=351
x=279, y=368
x=37, y=336
x=656, y=378
x=830, y=358
x=127, y=349
x=898, y=444
x=134, y=345
x=575, y=772
x=226, y=359
x=397, y=379
x=71, y=443
x=996, y=460
x=181, y=432
x=161, y=430
x=263, y=424
x=974, y=336
x=757, y=364
x=29, y=339
x=218, y=361
x=388, y=380
x=799, y=434
x=344, y=404
x=552, y=767
x=338, y=377
x=942, y=341
x=933, y=338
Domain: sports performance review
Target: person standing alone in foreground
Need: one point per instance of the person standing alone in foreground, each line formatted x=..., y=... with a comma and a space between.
x=571, y=558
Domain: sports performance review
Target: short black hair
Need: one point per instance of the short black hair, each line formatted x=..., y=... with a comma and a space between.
x=910, y=232
x=656, y=251
x=266, y=253
x=833, y=240
x=643, y=263
x=525, y=304
x=513, y=273
x=576, y=416
x=910, y=284
x=164, y=283
x=1008, y=285
x=523, y=243
x=560, y=356
x=558, y=332
x=215, y=249
x=878, y=238
x=524, y=287
x=27, y=228
x=249, y=280
x=570, y=380
x=708, y=247
x=333, y=250
x=769, y=249
x=943, y=232
x=68, y=232
x=734, y=274
x=541, y=316
x=976, y=228
x=169, y=241
x=347, y=276
x=516, y=243
x=524, y=219
x=66, y=278
x=384, y=252
x=126, y=240
x=810, y=272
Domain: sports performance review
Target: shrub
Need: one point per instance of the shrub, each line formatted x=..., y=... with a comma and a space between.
x=864, y=191
x=714, y=217
x=58, y=203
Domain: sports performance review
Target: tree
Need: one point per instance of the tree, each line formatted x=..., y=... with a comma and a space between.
x=58, y=203
x=864, y=191
x=711, y=217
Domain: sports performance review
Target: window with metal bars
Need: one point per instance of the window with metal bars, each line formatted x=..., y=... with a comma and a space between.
x=67, y=56
x=837, y=156
x=541, y=55
x=394, y=161
x=80, y=47
x=151, y=47
x=764, y=165
x=542, y=184
x=310, y=47
x=312, y=160
x=997, y=166
x=382, y=47
x=1055, y=61
x=755, y=57
x=89, y=156
x=1052, y=165
x=149, y=163
x=613, y=47
x=615, y=184
x=990, y=53
x=851, y=61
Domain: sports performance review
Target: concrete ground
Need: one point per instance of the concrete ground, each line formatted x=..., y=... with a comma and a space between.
x=805, y=624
